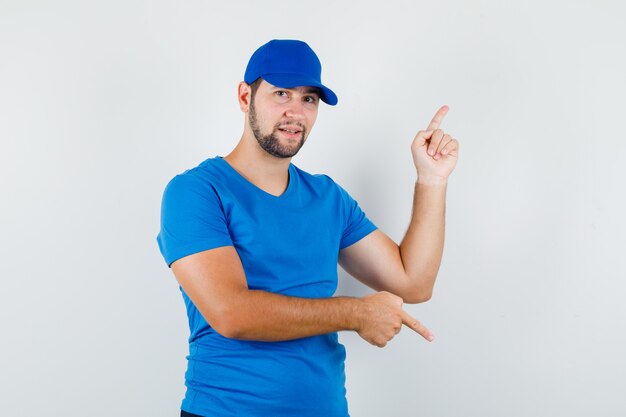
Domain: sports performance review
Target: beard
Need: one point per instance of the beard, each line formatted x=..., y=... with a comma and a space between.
x=271, y=143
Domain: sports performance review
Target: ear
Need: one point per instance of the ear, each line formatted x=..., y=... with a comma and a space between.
x=244, y=94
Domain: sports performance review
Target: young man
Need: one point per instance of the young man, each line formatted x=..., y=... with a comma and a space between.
x=254, y=243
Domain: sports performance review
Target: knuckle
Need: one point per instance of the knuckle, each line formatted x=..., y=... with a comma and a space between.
x=375, y=342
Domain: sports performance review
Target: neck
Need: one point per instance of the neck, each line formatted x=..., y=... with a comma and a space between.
x=266, y=171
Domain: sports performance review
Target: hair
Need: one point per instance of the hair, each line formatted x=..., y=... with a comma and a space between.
x=255, y=86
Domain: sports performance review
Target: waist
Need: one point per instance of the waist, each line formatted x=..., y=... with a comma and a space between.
x=294, y=377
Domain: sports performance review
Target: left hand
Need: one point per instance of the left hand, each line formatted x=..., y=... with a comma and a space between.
x=434, y=152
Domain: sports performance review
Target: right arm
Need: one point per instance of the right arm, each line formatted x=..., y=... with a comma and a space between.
x=215, y=281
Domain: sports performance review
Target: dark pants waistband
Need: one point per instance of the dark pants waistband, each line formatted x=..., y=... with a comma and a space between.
x=183, y=413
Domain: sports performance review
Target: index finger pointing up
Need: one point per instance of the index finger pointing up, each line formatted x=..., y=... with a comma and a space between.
x=434, y=124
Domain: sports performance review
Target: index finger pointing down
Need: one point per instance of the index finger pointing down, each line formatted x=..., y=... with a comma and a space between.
x=413, y=324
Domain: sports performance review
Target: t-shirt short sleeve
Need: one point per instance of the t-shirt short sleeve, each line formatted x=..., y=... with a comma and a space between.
x=192, y=218
x=356, y=223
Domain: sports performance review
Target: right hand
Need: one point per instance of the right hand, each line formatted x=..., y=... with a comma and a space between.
x=383, y=318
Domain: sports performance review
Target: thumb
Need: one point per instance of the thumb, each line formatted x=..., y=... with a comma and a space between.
x=422, y=136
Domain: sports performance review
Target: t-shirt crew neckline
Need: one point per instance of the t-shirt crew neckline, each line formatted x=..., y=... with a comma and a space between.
x=236, y=174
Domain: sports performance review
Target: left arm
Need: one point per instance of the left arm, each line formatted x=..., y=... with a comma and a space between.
x=410, y=269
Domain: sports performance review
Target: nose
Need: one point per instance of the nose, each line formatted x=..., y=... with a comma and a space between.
x=295, y=110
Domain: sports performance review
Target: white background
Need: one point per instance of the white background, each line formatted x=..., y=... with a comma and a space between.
x=101, y=103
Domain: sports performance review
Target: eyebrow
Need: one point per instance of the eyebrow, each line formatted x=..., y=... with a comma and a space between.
x=313, y=90
x=309, y=90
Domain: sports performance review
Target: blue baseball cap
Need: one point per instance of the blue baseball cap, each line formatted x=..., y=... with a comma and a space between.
x=288, y=64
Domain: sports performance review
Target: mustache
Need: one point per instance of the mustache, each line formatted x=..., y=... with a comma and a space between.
x=290, y=124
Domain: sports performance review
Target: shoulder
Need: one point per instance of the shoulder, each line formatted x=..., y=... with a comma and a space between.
x=327, y=188
x=206, y=171
x=317, y=181
x=200, y=178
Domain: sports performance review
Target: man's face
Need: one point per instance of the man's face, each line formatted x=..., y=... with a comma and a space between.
x=281, y=118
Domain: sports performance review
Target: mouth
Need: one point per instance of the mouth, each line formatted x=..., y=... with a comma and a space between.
x=291, y=132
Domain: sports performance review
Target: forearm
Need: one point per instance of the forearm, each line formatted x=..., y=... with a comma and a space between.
x=266, y=316
x=422, y=247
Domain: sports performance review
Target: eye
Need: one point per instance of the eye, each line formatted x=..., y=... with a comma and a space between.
x=310, y=99
x=281, y=93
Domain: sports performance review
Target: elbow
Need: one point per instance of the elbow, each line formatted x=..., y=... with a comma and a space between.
x=226, y=330
x=420, y=295
x=226, y=324
x=421, y=290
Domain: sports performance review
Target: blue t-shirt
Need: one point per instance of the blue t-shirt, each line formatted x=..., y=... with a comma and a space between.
x=288, y=245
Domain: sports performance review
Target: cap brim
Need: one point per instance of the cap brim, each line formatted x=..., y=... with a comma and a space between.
x=296, y=80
